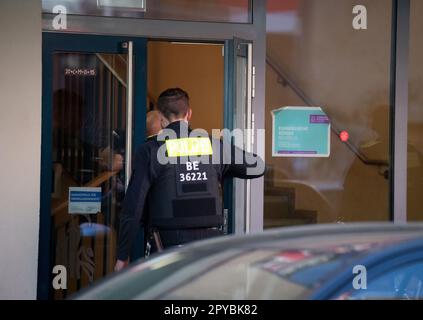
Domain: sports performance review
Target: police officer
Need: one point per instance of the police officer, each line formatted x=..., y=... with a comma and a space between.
x=176, y=178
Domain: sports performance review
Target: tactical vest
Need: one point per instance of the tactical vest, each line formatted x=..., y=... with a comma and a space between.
x=185, y=195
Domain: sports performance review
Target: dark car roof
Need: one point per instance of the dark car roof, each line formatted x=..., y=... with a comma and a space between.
x=304, y=256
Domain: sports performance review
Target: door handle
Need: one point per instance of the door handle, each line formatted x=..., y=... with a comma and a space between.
x=129, y=112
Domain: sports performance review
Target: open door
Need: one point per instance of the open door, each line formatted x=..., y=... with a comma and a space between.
x=239, y=73
x=94, y=96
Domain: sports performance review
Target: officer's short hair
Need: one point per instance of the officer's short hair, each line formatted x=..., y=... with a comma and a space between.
x=173, y=102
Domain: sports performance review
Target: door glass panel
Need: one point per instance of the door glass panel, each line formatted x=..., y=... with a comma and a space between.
x=88, y=150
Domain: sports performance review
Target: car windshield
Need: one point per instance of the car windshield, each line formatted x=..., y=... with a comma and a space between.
x=256, y=274
x=265, y=273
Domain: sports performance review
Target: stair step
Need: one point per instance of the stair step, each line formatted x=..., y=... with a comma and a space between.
x=287, y=222
x=279, y=209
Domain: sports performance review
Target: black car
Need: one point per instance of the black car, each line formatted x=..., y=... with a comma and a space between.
x=359, y=261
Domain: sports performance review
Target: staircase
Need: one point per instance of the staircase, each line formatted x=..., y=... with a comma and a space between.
x=279, y=207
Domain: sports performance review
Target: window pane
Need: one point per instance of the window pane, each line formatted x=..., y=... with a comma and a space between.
x=415, y=119
x=235, y=11
x=316, y=58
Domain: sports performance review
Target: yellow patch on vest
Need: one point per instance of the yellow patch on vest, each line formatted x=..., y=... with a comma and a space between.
x=188, y=147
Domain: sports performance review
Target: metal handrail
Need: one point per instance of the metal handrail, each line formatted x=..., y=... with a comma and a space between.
x=286, y=81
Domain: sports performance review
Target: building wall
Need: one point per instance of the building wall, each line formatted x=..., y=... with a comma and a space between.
x=20, y=140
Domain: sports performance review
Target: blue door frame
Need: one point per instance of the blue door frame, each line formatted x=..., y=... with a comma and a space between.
x=52, y=43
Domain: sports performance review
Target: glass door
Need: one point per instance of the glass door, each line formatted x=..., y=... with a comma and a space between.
x=239, y=116
x=90, y=132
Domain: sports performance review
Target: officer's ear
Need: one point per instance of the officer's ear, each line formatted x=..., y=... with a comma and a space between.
x=189, y=114
x=163, y=121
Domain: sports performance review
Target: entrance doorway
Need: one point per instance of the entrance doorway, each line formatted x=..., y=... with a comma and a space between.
x=96, y=93
x=196, y=67
x=218, y=77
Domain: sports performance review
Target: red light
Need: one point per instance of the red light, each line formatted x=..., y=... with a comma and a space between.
x=344, y=136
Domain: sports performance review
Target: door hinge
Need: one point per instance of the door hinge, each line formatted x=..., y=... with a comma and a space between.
x=225, y=221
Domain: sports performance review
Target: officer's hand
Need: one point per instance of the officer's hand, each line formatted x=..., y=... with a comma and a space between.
x=121, y=264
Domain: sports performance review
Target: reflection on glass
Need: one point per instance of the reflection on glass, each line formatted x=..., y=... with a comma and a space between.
x=88, y=145
x=316, y=58
x=415, y=118
x=243, y=276
x=401, y=283
x=234, y=11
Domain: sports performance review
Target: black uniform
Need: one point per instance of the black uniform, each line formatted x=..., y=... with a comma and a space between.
x=182, y=198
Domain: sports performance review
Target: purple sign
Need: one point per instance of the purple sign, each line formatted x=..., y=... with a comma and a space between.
x=296, y=152
x=318, y=118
